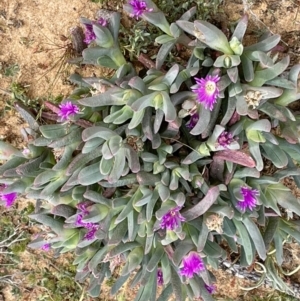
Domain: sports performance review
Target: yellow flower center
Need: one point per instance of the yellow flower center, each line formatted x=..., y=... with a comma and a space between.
x=210, y=87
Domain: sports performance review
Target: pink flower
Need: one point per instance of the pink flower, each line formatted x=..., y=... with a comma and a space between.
x=210, y=288
x=192, y=264
x=93, y=228
x=138, y=7
x=90, y=36
x=225, y=139
x=83, y=207
x=249, y=201
x=160, y=278
x=46, y=247
x=8, y=198
x=67, y=109
x=207, y=90
x=193, y=121
x=172, y=219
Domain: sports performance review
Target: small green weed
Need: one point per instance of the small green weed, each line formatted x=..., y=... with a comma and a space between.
x=173, y=9
x=138, y=38
x=10, y=70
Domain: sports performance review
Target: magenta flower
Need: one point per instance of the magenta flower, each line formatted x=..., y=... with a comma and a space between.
x=89, y=33
x=79, y=221
x=160, y=278
x=83, y=207
x=138, y=7
x=249, y=201
x=67, y=109
x=210, y=288
x=225, y=139
x=93, y=228
x=7, y=198
x=46, y=247
x=193, y=121
x=192, y=264
x=172, y=219
x=207, y=90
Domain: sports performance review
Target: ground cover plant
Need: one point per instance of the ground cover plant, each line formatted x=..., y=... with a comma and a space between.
x=163, y=172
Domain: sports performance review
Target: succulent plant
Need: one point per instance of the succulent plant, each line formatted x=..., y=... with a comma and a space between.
x=163, y=173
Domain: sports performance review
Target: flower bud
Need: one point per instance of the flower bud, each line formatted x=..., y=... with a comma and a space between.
x=227, y=62
x=236, y=46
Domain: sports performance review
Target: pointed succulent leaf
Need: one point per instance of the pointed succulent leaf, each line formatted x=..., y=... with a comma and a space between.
x=13, y=162
x=212, y=36
x=52, y=187
x=104, y=37
x=90, y=175
x=91, y=54
x=233, y=74
x=186, y=26
x=245, y=241
x=112, y=97
x=63, y=210
x=54, y=131
x=247, y=172
x=26, y=115
x=7, y=151
x=203, y=205
x=227, y=61
x=275, y=154
x=118, y=167
x=157, y=18
x=72, y=137
x=255, y=152
x=171, y=75
x=281, y=82
x=175, y=30
x=146, y=101
x=272, y=111
x=132, y=159
x=45, y=177
x=82, y=159
x=241, y=28
x=262, y=76
x=120, y=116
x=163, y=52
x=256, y=237
x=248, y=69
x=202, y=123
x=283, y=196
x=236, y=156
x=99, y=132
x=270, y=231
x=260, y=125
x=155, y=258
x=264, y=45
x=189, y=14
x=182, y=249
x=55, y=224
x=289, y=96
x=32, y=166
x=138, y=84
x=176, y=285
x=163, y=39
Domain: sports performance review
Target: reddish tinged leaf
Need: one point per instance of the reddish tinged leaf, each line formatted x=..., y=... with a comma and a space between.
x=235, y=156
x=203, y=205
x=50, y=116
x=217, y=169
x=51, y=107
x=234, y=119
